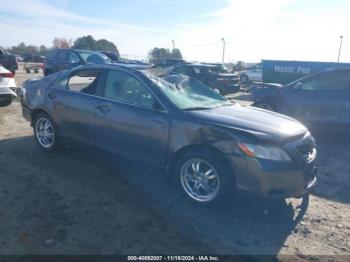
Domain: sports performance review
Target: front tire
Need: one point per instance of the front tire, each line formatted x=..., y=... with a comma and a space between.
x=45, y=133
x=203, y=178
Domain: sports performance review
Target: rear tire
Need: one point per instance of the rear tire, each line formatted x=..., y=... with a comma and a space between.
x=204, y=178
x=45, y=133
x=6, y=102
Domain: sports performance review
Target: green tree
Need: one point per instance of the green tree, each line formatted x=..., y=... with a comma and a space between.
x=23, y=49
x=176, y=53
x=104, y=45
x=43, y=50
x=85, y=42
x=156, y=55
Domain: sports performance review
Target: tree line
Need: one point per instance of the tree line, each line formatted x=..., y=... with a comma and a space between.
x=155, y=55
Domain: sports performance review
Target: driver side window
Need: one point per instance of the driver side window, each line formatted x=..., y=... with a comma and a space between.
x=124, y=87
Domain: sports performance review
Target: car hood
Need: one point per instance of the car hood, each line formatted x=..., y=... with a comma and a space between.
x=263, y=124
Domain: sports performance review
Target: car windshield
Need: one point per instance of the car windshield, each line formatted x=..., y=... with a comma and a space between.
x=186, y=93
x=94, y=58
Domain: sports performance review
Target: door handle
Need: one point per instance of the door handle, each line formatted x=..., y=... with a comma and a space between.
x=103, y=108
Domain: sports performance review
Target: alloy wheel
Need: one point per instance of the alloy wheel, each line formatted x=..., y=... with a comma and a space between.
x=200, y=180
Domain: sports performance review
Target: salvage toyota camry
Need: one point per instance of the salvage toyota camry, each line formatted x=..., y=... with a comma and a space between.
x=212, y=147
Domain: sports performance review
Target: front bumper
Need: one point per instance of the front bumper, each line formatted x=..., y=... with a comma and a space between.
x=27, y=114
x=273, y=179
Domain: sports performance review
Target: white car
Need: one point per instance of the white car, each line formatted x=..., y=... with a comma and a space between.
x=7, y=85
x=252, y=75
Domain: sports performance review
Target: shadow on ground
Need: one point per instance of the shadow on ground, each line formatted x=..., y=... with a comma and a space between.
x=90, y=204
x=333, y=164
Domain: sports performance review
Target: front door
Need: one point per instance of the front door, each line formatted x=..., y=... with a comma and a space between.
x=130, y=121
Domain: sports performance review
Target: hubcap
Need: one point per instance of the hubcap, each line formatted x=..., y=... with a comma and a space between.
x=200, y=180
x=44, y=132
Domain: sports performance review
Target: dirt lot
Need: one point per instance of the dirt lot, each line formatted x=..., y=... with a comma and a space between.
x=79, y=202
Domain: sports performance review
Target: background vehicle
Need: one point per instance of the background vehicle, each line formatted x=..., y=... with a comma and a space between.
x=63, y=59
x=221, y=68
x=170, y=62
x=32, y=58
x=211, y=146
x=211, y=75
x=8, y=61
x=7, y=83
x=253, y=74
x=322, y=98
x=113, y=56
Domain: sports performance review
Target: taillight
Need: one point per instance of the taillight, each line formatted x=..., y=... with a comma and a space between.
x=7, y=75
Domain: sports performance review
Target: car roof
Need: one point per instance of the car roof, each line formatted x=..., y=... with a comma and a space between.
x=129, y=69
x=72, y=49
x=195, y=64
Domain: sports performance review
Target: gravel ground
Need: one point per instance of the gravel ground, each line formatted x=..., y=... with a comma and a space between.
x=79, y=202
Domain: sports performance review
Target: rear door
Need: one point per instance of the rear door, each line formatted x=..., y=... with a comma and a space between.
x=319, y=99
x=62, y=60
x=73, y=103
x=130, y=120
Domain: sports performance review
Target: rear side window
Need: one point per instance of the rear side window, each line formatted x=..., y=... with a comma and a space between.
x=62, y=56
x=73, y=58
x=84, y=81
x=51, y=55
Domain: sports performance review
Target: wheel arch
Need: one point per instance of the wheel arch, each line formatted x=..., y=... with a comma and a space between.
x=36, y=112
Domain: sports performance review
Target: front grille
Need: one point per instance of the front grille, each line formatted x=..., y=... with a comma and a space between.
x=303, y=149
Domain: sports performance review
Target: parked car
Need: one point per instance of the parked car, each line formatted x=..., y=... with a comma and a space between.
x=212, y=147
x=8, y=61
x=253, y=74
x=170, y=62
x=7, y=84
x=211, y=76
x=33, y=58
x=63, y=59
x=220, y=68
x=113, y=56
x=322, y=98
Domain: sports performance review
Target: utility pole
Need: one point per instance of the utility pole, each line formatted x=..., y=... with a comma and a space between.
x=173, y=44
x=223, y=50
x=341, y=43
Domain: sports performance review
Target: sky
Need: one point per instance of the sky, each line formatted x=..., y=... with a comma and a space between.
x=252, y=29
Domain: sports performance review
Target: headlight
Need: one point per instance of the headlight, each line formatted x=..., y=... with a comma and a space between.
x=264, y=152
